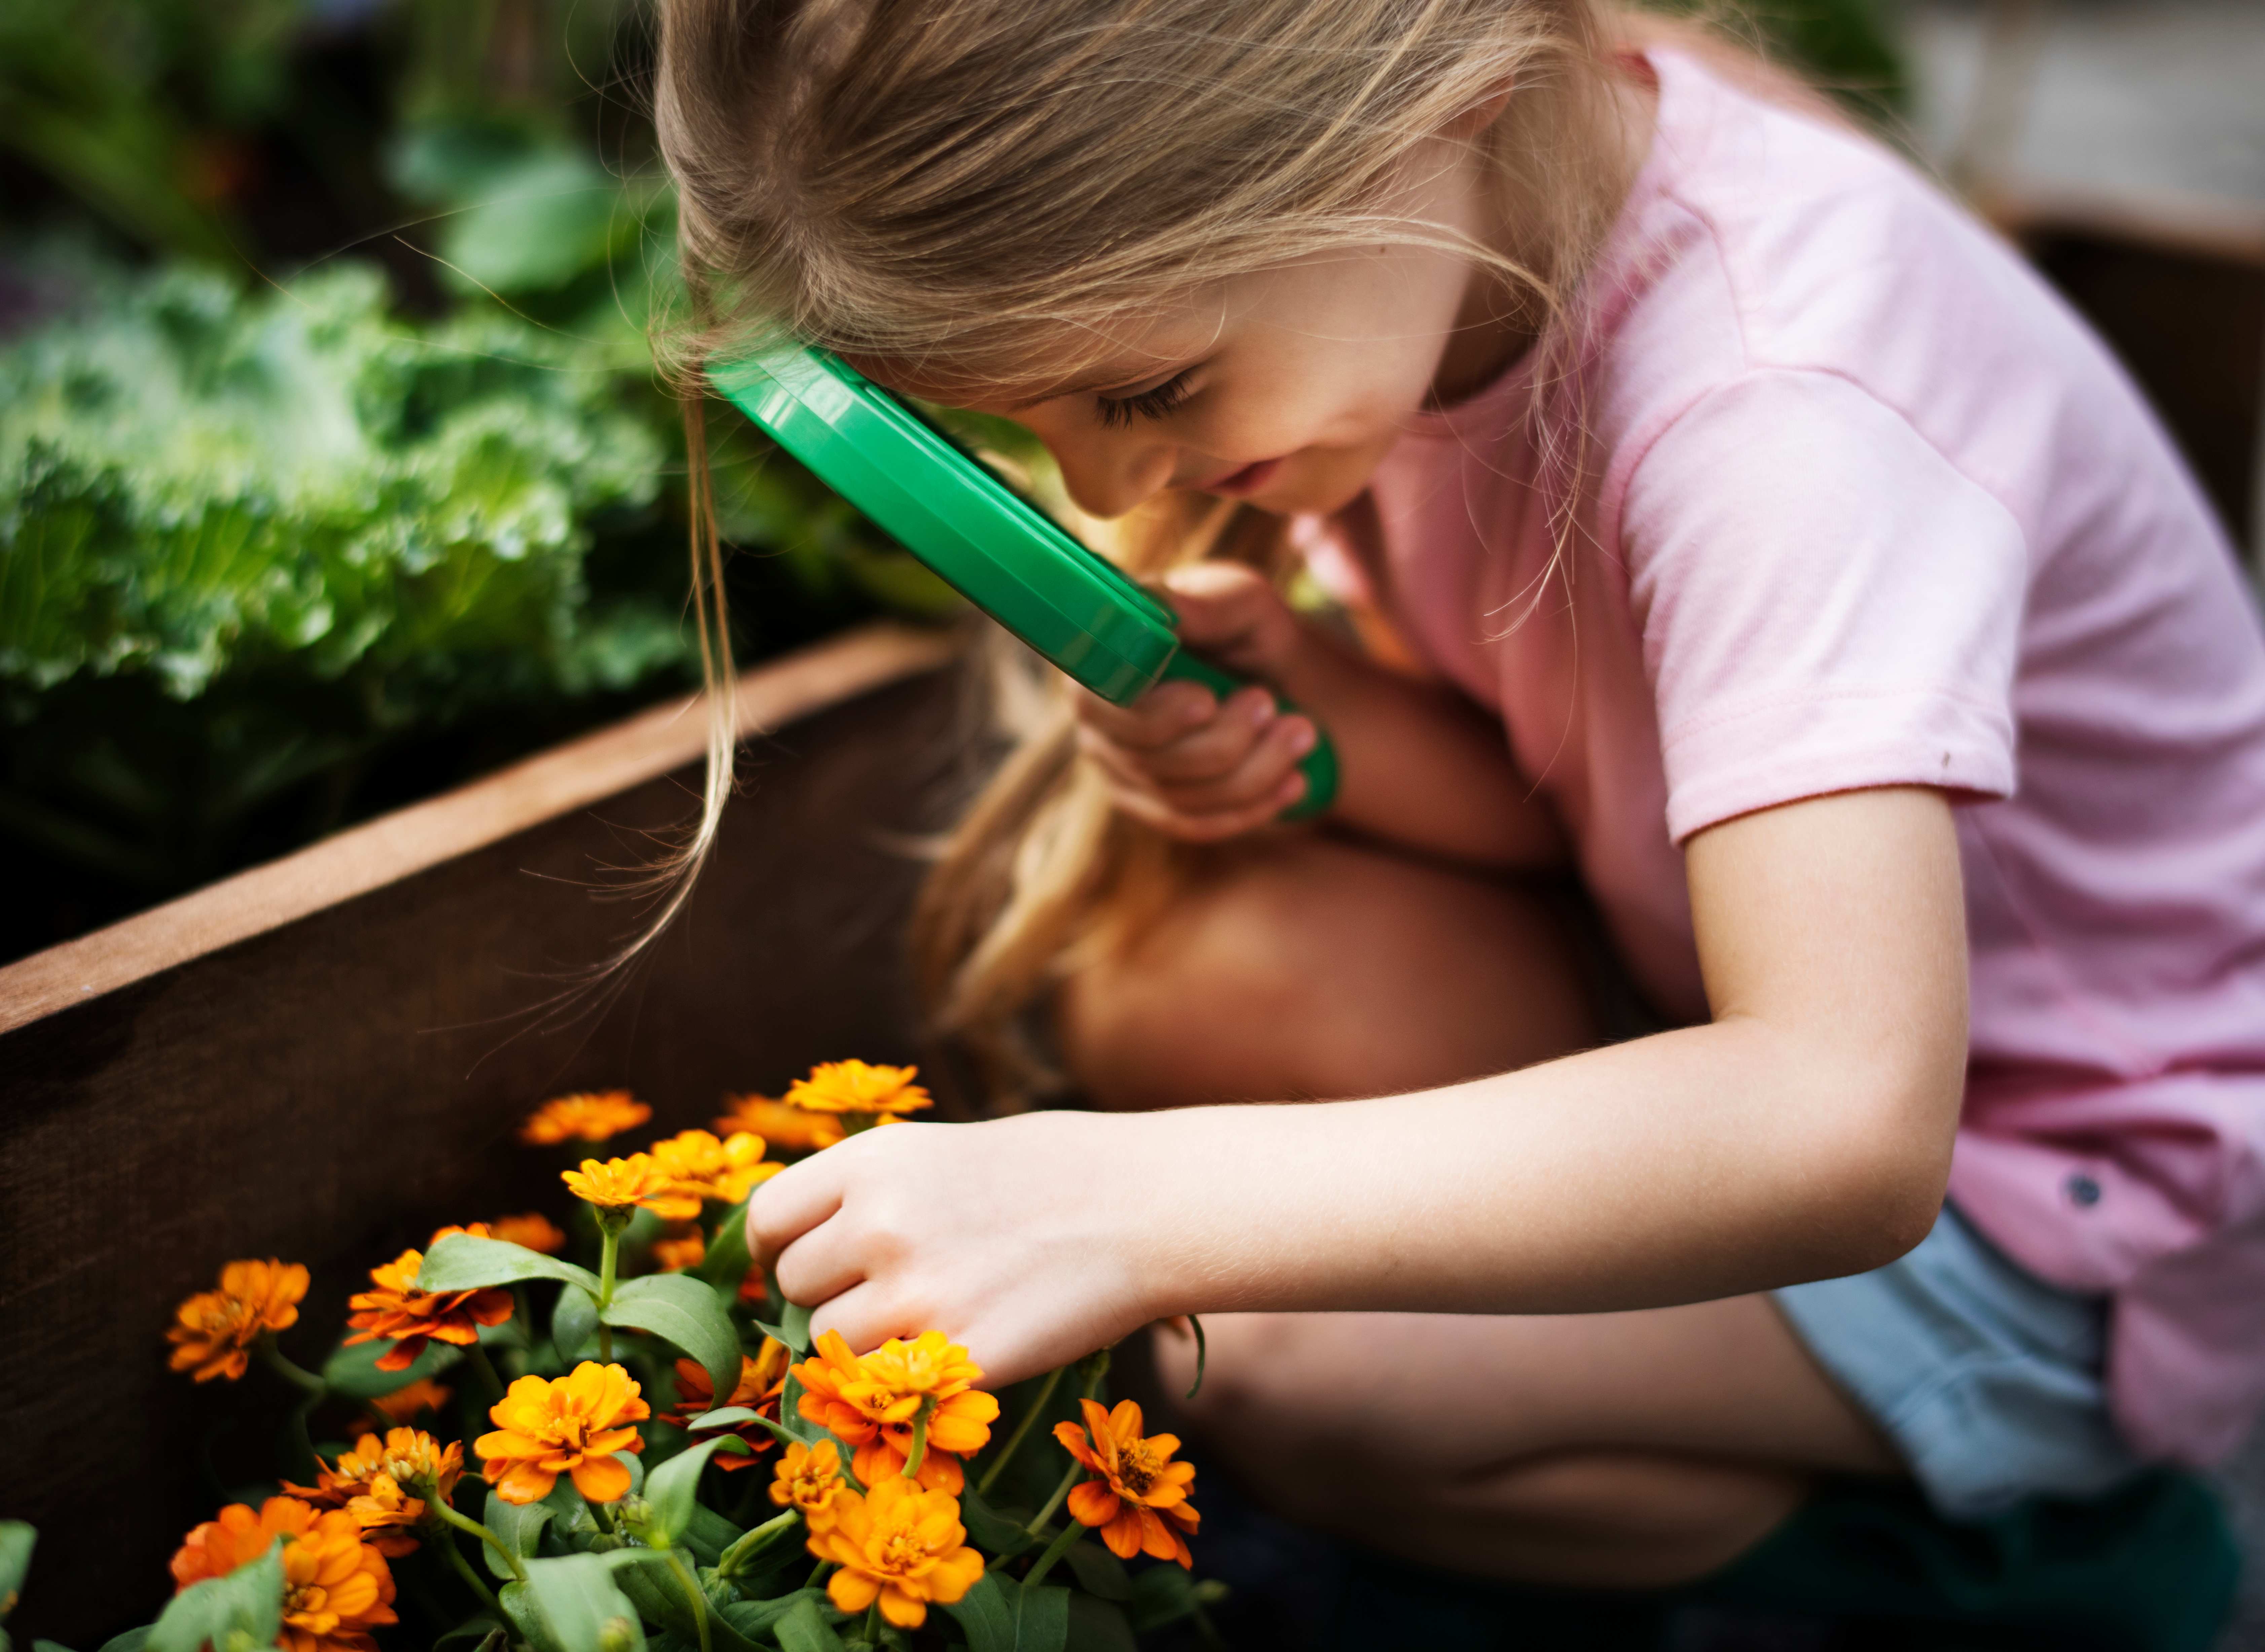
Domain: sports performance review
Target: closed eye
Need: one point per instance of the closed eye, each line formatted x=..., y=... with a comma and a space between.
x=1158, y=401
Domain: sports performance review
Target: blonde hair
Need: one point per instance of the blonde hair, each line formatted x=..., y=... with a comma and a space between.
x=979, y=190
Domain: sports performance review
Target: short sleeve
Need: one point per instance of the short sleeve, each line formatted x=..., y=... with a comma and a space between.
x=1826, y=603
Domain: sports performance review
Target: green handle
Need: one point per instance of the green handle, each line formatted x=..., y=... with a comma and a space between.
x=1319, y=765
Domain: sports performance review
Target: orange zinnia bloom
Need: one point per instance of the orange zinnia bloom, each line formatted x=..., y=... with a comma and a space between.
x=809, y=1478
x=405, y=1405
x=379, y=1483
x=533, y=1230
x=898, y=1544
x=761, y=1385
x=571, y=1425
x=1139, y=1497
x=870, y=1404
x=214, y=1329
x=673, y=1252
x=852, y=1087
x=699, y=1167
x=411, y=1318
x=619, y=1182
x=585, y=1117
x=336, y=1587
x=788, y=1129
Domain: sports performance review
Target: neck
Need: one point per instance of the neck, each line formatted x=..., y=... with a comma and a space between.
x=1501, y=318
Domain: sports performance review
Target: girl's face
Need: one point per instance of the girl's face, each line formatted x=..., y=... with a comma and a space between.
x=1286, y=387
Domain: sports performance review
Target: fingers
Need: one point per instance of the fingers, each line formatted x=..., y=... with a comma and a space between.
x=1202, y=779
x=788, y=1205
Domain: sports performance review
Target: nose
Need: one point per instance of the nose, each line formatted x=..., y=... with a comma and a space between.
x=1110, y=472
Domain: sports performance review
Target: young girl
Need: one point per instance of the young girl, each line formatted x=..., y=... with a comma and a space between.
x=1774, y=552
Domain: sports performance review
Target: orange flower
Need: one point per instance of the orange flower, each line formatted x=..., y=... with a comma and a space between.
x=870, y=1403
x=533, y=1230
x=1139, y=1495
x=336, y=1587
x=809, y=1478
x=852, y=1087
x=584, y=1118
x=214, y=1330
x=620, y=1182
x=673, y=1252
x=699, y=1167
x=762, y=1383
x=397, y=1309
x=404, y=1405
x=383, y=1484
x=784, y=1128
x=571, y=1425
x=898, y=1544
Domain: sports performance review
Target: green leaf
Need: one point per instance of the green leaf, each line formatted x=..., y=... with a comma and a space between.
x=471, y=1635
x=671, y=1490
x=462, y=1262
x=1161, y=1595
x=41, y=1646
x=709, y=1534
x=575, y=1606
x=686, y=1312
x=801, y=1628
x=1099, y=1572
x=574, y=1323
x=520, y=1526
x=17, y=1538
x=794, y=1328
x=249, y=1600
x=1098, y=1625
x=1042, y=1619
x=756, y=1619
x=658, y=1593
x=985, y=1614
x=353, y=1371
x=131, y=1640
x=727, y=1260
x=732, y=1416
x=992, y=1529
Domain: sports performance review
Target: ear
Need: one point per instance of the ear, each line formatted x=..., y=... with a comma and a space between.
x=1475, y=120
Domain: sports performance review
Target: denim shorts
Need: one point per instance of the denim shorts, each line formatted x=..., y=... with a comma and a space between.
x=1987, y=1379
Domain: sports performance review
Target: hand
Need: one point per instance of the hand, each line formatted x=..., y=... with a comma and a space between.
x=1015, y=1238
x=1190, y=765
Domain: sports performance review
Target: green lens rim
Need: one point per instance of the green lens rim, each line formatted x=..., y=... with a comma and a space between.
x=994, y=548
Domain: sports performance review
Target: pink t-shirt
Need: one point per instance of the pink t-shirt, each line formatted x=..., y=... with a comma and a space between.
x=1866, y=505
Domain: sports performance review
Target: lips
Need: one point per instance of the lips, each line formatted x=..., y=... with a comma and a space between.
x=1243, y=483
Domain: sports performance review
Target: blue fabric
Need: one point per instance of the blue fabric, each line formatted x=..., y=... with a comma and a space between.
x=1987, y=1377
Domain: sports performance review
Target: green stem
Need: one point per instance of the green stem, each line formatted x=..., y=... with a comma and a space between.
x=816, y=1572
x=481, y=1364
x=609, y=1240
x=272, y=1357
x=1055, y=1550
x=873, y=1623
x=447, y=1543
x=1038, y=1521
x=749, y=1544
x=914, y=1458
x=691, y=1587
x=465, y=1523
x=1022, y=1432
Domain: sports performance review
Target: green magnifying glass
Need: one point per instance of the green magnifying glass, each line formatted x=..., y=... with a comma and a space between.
x=1072, y=604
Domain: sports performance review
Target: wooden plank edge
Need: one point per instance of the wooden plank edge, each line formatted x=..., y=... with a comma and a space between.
x=575, y=775
x=2226, y=232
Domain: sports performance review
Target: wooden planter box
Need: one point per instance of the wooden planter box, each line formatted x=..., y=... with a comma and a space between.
x=323, y=1058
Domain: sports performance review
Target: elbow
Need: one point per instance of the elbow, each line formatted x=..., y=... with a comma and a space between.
x=1884, y=1168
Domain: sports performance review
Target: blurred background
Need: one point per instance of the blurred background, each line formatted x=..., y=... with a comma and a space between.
x=333, y=468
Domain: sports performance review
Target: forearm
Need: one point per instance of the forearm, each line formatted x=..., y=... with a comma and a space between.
x=1705, y=1162
x=1421, y=766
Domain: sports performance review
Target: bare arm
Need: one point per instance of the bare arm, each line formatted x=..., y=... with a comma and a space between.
x=1422, y=767
x=1802, y=1132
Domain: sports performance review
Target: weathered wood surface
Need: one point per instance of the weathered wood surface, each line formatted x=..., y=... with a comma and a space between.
x=342, y=1070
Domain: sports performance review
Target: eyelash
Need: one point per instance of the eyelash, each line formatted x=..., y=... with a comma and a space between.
x=1117, y=412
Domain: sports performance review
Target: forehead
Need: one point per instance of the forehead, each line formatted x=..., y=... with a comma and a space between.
x=1054, y=358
